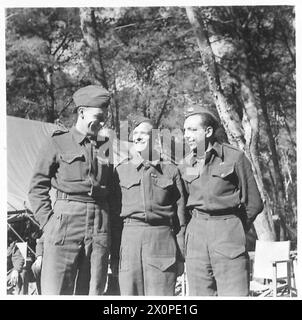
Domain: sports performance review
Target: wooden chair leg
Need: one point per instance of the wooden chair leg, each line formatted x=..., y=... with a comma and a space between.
x=293, y=274
x=274, y=282
x=289, y=279
x=183, y=285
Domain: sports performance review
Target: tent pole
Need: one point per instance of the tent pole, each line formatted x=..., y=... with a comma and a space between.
x=16, y=233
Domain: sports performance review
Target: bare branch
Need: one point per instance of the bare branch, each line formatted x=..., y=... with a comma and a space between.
x=163, y=109
x=60, y=45
x=67, y=104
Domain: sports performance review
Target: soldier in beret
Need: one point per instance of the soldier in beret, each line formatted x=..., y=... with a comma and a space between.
x=223, y=200
x=152, y=209
x=76, y=229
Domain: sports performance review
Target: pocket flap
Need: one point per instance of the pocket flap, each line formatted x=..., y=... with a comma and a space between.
x=231, y=251
x=130, y=183
x=224, y=170
x=191, y=174
x=163, y=182
x=161, y=262
x=70, y=157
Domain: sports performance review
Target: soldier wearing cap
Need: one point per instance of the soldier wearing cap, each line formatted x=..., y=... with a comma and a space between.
x=76, y=229
x=152, y=209
x=223, y=200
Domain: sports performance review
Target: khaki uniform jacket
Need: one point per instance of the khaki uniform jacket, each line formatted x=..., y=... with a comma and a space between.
x=222, y=182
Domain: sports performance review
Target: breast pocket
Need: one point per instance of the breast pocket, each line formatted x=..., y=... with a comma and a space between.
x=190, y=175
x=163, y=190
x=71, y=166
x=163, y=183
x=224, y=179
x=131, y=183
x=130, y=188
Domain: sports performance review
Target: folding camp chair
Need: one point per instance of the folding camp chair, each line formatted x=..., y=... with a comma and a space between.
x=22, y=246
x=184, y=283
x=272, y=265
x=29, y=284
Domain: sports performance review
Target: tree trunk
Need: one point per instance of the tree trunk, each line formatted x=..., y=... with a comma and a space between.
x=117, y=110
x=91, y=37
x=283, y=206
x=163, y=108
x=251, y=128
x=272, y=145
x=48, y=77
x=230, y=118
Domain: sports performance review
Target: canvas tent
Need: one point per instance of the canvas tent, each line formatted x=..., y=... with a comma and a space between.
x=24, y=140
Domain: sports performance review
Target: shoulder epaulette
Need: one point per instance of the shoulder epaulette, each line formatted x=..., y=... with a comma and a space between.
x=121, y=160
x=59, y=130
x=231, y=146
x=170, y=168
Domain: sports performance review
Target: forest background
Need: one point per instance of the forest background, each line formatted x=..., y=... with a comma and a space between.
x=240, y=62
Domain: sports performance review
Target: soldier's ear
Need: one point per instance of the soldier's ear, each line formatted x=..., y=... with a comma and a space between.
x=81, y=112
x=209, y=132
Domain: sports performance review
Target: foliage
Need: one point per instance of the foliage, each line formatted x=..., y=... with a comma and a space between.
x=153, y=67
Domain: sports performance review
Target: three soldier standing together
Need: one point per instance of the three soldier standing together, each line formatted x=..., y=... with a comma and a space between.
x=136, y=211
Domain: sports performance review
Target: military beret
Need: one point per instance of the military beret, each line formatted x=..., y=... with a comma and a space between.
x=136, y=120
x=91, y=96
x=190, y=111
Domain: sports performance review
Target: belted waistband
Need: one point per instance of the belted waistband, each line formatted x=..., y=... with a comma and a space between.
x=220, y=214
x=81, y=197
x=134, y=221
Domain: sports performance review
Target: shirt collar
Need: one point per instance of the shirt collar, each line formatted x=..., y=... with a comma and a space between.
x=78, y=136
x=216, y=149
x=138, y=161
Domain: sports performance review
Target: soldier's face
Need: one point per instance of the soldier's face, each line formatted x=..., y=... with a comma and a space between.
x=142, y=136
x=195, y=133
x=94, y=119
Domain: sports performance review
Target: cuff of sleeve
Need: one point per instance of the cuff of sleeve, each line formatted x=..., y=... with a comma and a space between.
x=44, y=219
x=248, y=224
x=180, y=238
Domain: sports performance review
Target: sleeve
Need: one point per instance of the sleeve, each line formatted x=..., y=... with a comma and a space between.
x=40, y=246
x=182, y=168
x=115, y=210
x=40, y=183
x=17, y=259
x=181, y=215
x=250, y=196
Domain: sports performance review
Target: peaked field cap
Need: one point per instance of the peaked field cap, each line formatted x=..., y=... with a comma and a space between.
x=190, y=111
x=92, y=96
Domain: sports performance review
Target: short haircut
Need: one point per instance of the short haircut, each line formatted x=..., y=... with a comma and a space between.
x=208, y=120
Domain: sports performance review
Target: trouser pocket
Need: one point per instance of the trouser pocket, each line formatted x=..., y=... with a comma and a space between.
x=230, y=239
x=60, y=222
x=162, y=263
